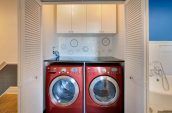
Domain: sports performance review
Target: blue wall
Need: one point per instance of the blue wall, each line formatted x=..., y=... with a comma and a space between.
x=160, y=20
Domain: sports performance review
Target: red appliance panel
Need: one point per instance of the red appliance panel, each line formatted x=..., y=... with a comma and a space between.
x=114, y=72
x=74, y=71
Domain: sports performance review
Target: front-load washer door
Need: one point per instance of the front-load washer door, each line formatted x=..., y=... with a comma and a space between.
x=64, y=91
x=104, y=90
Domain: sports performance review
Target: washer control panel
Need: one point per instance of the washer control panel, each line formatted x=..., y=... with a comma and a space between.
x=75, y=70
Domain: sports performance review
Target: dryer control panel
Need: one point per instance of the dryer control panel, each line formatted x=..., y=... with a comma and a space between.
x=113, y=71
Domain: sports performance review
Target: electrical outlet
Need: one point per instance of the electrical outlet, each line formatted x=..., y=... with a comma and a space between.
x=55, y=51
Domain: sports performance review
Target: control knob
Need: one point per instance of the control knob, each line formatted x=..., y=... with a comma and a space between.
x=103, y=70
x=63, y=70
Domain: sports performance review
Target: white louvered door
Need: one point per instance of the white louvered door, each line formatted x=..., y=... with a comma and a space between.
x=135, y=56
x=30, y=63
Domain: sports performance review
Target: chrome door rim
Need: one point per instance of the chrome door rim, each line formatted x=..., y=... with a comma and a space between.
x=75, y=95
x=92, y=94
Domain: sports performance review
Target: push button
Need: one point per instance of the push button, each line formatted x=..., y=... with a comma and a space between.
x=114, y=69
x=74, y=70
x=52, y=70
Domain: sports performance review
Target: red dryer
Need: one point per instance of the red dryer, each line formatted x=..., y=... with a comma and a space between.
x=64, y=86
x=104, y=89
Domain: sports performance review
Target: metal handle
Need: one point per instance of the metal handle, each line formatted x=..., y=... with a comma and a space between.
x=35, y=77
x=131, y=78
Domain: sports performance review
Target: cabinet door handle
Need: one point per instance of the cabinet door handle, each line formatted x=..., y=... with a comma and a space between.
x=35, y=77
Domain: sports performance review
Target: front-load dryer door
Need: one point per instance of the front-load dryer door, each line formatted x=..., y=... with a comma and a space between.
x=104, y=90
x=63, y=91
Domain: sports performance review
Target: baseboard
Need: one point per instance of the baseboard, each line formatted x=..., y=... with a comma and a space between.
x=2, y=65
x=164, y=111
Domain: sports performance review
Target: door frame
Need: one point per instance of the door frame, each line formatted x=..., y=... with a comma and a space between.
x=146, y=88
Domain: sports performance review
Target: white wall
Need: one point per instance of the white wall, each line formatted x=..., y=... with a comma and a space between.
x=119, y=43
x=86, y=44
x=161, y=51
x=48, y=33
x=8, y=31
x=49, y=29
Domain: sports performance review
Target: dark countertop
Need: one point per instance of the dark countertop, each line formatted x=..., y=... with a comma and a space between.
x=84, y=60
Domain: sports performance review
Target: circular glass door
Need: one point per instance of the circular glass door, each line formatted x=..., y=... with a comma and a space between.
x=64, y=91
x=104, y=90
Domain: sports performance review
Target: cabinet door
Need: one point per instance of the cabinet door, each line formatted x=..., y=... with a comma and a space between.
x=64, y=18
x=79, y=18
x=93, y=18
x=109, y=18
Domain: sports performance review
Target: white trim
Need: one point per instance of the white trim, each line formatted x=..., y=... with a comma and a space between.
x=146, y=41
x=127, y=1
x=39, y=2
x=93, y=2
x=2, y=65
x=3, y=93
x=147, y=57
x=11, y=90
x=161, y=42
x=12, y=63
x=20, y=34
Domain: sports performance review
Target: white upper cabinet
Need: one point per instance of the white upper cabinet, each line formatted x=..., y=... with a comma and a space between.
x=93, y=18
x=101, y=18
x=64, y=14
x=90, y=18
x=71, y=18
x=108, y=18
x=78, y=18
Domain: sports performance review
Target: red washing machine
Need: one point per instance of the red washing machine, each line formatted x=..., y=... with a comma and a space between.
x=104, y=89
x=64, y=89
